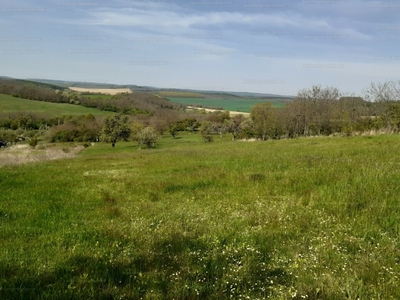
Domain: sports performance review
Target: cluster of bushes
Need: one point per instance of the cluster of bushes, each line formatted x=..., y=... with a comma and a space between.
x=57, y=129
x=76, y=129
x=26, y=121
x=113, y=128
x=188, y=124
x=119, y=127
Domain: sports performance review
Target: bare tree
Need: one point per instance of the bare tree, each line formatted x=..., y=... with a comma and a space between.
x=383, y=94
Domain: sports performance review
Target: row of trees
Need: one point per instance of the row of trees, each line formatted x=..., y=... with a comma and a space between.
x=325, y=111
x=25, y=122
x=315, y=111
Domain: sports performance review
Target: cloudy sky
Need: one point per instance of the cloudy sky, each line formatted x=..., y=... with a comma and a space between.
x=264, y=46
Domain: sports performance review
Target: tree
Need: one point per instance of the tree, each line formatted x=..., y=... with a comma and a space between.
x=173, y=130
x=115, y=128
x=136, y=127
x=233, y=125
x=314, y=106
x=189, y=124
x=383, y=94
x=261, y=115
x=206, y=131
x=394, y=115
x=148, y=136
x=218, y=117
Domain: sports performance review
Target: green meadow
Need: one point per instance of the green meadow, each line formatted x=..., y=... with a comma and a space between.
x=232, y=104
x=310, y=218
x=10, y=104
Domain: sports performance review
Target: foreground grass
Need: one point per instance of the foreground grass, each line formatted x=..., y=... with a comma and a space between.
x=291, y=219
x=10, y=104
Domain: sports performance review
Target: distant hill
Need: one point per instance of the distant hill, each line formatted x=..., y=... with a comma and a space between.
x=29, y=83
x=205, y=93
x=95, y=85
x=51, y=91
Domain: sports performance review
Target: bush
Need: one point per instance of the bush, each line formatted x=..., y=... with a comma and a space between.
x=148, y=136
x=206, y=131
x=33, y=142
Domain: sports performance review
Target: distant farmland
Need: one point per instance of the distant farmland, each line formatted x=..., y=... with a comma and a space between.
x=10, y=104
x=235, y=104
x=101, y=91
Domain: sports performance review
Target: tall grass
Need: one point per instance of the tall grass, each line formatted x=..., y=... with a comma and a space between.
x=292, y=219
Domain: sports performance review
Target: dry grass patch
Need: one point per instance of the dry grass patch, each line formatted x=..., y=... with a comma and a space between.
x=22, y=154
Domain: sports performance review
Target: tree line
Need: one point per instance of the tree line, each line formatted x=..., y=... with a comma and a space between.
x=314, y=111
x=317, y=111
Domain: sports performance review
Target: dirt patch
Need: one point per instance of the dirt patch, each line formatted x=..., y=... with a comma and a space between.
x=101, y=91
x=22, y=154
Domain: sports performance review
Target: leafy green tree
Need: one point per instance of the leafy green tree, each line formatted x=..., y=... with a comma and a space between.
x=8, y=136
x=189, y=124
x=206, y=131
x=233, y=125
x=261, y=115
x=173, y=130
x=136, y=127
x=5, y=123
x=148, y=137
x=115, y=128
x=394, y=115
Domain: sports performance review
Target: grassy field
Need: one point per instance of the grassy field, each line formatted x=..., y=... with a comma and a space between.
x=239, y=104
x=312, y=218
x=9, y=104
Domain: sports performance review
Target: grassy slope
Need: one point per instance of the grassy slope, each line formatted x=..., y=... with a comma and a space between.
x=236, y=104
x=279, y=219
x=10, y=104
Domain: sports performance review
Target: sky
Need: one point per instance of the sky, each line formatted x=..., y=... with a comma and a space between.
x=276, y=47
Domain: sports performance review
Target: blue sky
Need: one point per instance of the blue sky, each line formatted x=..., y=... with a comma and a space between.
x=275, y=47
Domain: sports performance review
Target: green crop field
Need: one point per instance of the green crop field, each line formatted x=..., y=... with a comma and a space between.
x=239, y=104
x=9, y=104
x=311, y=218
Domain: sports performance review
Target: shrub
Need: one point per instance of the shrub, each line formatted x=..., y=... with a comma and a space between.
x=206, y=131
x=148, y=136
x=33, y=142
